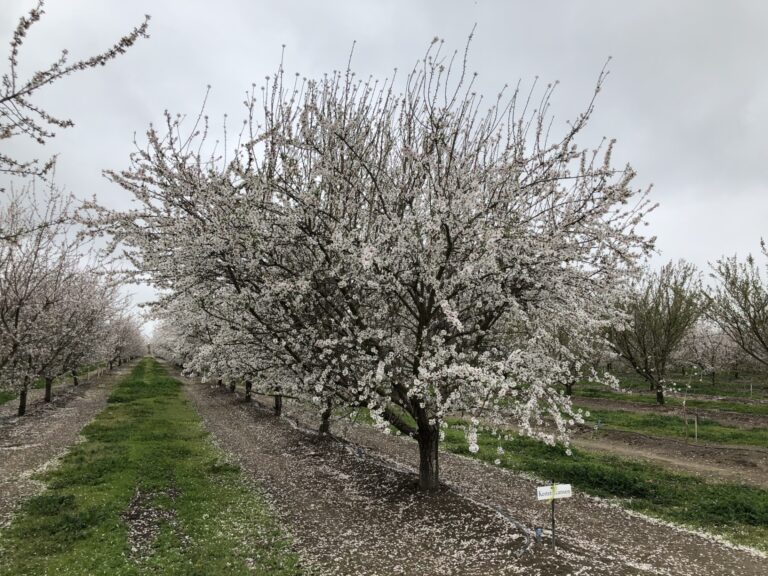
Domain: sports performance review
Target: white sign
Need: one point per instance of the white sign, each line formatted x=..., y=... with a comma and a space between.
x=561, y=491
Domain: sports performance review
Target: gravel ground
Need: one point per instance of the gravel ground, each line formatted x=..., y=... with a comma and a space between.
x=350, y=514
x=33, y=442
x=353, y=509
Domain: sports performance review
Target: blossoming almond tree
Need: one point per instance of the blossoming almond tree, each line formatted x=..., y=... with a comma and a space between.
x=30, y=268
x=54, y=309
x=416, y=252
x=709, y=349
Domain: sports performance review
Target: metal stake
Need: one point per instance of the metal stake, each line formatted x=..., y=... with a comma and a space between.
x=696, y=425
x=554, y=551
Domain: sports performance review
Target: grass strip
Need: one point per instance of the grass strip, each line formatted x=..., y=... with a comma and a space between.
x=737, y=512
x=146, y=492
x=747, y=385
x=630, y=398
x=674, y=427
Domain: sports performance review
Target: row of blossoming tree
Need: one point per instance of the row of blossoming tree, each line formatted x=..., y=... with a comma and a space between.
x=407, y=247
x=58, y=313
x=58, y=309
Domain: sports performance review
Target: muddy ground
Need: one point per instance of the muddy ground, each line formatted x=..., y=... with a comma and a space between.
x=715, y=462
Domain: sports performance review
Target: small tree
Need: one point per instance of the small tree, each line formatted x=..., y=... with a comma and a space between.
x=662, y=308
x=707, y=348
x=739, y=305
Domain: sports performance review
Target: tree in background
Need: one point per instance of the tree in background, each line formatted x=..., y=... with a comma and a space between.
x=708, y=349
x=56, y=311
x=738, y=303
x=662, y=308
x=31, y=269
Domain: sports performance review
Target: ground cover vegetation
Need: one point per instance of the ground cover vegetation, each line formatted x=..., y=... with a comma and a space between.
x=146, y=492
x=676, y=427
x=630, y=398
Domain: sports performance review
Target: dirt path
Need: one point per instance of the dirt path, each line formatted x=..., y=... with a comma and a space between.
x=740, y=464
x=351, y=511
x=30, y=443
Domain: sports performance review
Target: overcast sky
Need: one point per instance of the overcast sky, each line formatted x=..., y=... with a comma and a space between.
x=686, y=99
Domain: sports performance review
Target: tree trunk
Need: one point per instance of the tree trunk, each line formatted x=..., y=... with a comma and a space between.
x=325, y=419
x=75, y=381
x=110, y=365
x=429, y=477
x=248, y=388
x=48, y=388
x=231, y=386
x=278, y=404
x=23, y=401
x=569, y=388
x=683, y=369
x=219, y=382
x=713, y=377
x=659, y=394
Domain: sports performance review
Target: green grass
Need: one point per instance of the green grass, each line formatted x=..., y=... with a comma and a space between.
x=674, y=427
x=725, y=384
x=6, y=396
x=740, y=513
x=743, y=408
x=148, y=441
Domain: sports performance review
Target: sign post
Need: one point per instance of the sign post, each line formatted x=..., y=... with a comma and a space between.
x=552, y=493
x=554, y=488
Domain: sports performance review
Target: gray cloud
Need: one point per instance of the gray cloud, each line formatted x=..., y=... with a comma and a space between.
x=687, y=97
